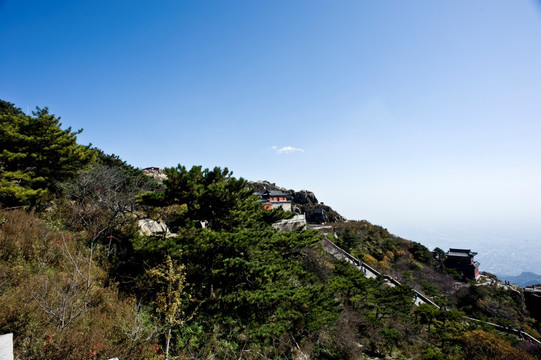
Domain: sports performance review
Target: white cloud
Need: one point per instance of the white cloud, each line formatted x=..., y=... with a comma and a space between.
x=286, y=149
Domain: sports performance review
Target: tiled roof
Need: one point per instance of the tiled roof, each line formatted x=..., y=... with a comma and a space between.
x=272, y=193
x=461, y=252
x=278, y=193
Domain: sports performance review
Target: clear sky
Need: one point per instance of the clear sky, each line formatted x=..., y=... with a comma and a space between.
x=415, y=115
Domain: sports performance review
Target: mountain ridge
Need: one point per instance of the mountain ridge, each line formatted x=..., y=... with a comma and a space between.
x=524, y=279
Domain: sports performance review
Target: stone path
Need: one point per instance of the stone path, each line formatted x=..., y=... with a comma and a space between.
x=420, y=298
x=369, y=271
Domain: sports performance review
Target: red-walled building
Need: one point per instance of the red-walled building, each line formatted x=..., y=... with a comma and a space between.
x=272, y=199
x=462, y=260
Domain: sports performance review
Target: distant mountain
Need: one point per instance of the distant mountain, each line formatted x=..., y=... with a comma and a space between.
x=524, y=279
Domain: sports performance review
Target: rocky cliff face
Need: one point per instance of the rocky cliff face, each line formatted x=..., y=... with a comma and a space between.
x=298, y=197
x=304, y=202
x=295, y=223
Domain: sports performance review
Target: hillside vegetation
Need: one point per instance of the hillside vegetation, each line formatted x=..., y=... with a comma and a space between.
x=79, y=281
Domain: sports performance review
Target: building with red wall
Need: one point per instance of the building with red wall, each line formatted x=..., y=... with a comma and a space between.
x=272, y=199
x=462, y=261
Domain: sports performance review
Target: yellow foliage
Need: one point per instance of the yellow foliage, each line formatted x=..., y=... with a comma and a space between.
x=479, y=344
x=370, y=260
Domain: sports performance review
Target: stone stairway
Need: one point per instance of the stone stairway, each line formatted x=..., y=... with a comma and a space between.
x=420, y=298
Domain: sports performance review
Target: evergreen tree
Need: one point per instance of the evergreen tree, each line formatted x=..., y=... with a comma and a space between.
x=213, y=197
x=249, y=280
x=36, y=154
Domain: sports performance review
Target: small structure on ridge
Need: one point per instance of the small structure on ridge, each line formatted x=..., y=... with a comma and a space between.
x=462, y=261
x=272, y=199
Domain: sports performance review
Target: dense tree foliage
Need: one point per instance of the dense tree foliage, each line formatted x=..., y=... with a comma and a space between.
x=79, y=281
x=36, y=154
x=250, y=279
x=211, y=198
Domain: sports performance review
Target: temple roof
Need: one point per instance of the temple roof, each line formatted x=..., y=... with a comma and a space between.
x=272, y=193
x=461, y=253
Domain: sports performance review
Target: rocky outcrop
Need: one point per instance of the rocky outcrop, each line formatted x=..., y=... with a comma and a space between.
x=304, y=202
x=156, y=173
x=296, y=222
x=303, y=197
x=149, y=227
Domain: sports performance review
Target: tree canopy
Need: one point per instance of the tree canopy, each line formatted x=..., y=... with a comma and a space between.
x=251, y=279
x=36, y=155
x=213, y=197
x=79, y=281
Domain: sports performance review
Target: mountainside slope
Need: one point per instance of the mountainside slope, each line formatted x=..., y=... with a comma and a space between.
x=79, y=281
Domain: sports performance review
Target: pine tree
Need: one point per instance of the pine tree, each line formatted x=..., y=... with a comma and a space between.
x=35, y=155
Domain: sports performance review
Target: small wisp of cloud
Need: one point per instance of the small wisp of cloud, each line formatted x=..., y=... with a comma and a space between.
x=286, y=149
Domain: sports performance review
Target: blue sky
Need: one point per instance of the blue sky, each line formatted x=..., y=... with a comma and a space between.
x=410, y=114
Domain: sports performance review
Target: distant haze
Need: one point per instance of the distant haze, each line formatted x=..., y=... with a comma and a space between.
x=500, y=250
